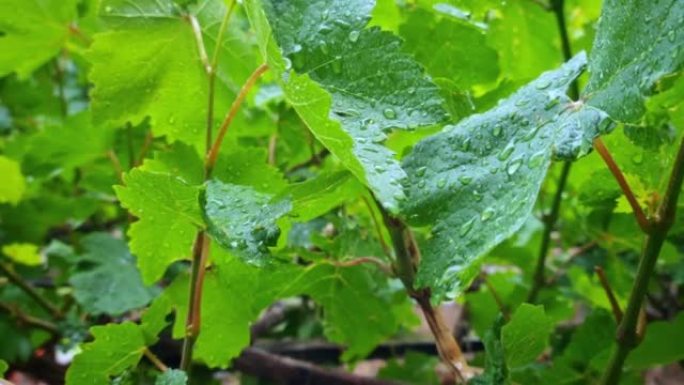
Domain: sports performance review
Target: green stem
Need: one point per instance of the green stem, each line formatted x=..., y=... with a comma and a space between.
x=549, y=223
x=538, y=280
x=30, y=290
x=627, y=337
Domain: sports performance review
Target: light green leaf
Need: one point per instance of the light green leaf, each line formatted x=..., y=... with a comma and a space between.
x=172, y=377
x=526, y=335
x=526, y=36
x=3, y=368
x=637, y=43
x=112, y=285
x=243, y=220
x=474, y=184
x=32, y=32
x=169, y=216
x=148, y=66
x=23, y=253
x=13, y=184
x=460, y=54
x=317, y=196
x=116, y=348
x=349, y=84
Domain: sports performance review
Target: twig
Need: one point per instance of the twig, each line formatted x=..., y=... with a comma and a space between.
x=407, y=257
x=614, y=305
x=200, y=251
x=116, y=163
x=288, y=371
x=538, y=280
x=550, y=220
x=155, y=360
x=213, y=152
x=199, y=39
x=24, y=318
x=641, y=217
x=384, y=267
x=499, y=303
x=149, y=137
x=627, y=334
x=272, y=147
x=315, y=160
x=30, y=290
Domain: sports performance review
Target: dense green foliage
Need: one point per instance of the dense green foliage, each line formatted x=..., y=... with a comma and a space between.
x=173, y=171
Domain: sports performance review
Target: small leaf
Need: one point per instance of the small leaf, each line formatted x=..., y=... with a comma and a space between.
x=169, y=216
x=23, y=253
x=662, y=344
x=13, y=184
x=243, y=220
x=116, y=348
x=526, y=335
x=113, y=285
x=3, y=368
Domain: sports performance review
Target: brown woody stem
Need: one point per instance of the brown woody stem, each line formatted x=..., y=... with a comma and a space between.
x=614, y=305
x=628, y=330
x=641, y=218
x=210, y=161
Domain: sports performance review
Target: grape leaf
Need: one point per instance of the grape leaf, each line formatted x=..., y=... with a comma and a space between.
x=116, y=348
x=113, y=285
x=249, y=233
x=32, y=32
x=169, y=215
x=475, y=183
x=13, y=184
x=350, y=85
x=637, y=43
x=148, y=66
x=496, y=371
x=319, y=195
x=23, y=253
x=526, y=335
x=172, y=377
x=235, y=293
x=461, y=53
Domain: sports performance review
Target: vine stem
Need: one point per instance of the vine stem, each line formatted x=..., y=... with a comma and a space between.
x=31, y=291
x=614, y=305
x=234, y=108
x=627, y=337
x=641, y=217
x=200, y=249
x=24, y=318
x=407, y=257
x=538, y=279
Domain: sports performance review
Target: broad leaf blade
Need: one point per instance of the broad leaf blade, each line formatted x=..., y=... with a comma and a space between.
x=243, y=220
x=637, y=43
x=351, y=85
x=169, y=215
x=475, y=183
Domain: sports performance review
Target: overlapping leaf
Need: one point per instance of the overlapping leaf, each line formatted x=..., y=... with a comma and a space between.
x=475, y=183
x=242, y=219
x=32, y=32
x=113, y=285
x=351, y=85
x=169, y=215
x=637, y=43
